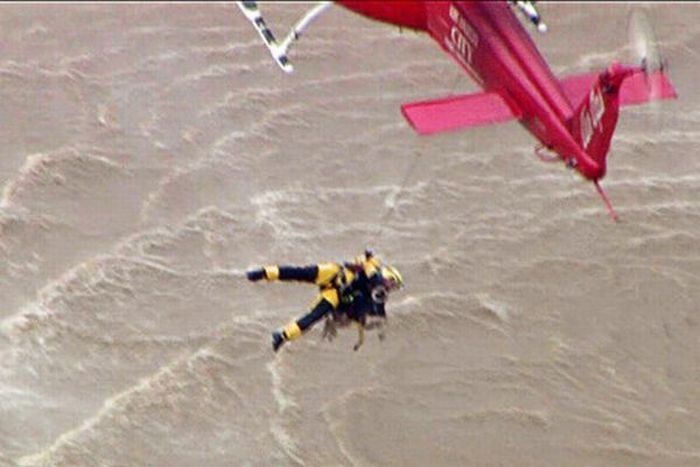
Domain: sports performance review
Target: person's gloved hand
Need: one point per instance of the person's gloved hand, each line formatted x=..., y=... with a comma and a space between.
x=255, y=275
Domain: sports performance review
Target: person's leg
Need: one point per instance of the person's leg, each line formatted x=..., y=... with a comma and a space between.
x=291, y=273
x=326, y=302
x=320, y=274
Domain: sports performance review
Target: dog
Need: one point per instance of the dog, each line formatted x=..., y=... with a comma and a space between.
x=341, y=320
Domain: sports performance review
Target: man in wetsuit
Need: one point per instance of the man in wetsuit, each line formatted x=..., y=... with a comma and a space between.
x=352, y=290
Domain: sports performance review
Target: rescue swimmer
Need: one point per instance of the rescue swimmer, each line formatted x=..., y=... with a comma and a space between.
x=351, y=291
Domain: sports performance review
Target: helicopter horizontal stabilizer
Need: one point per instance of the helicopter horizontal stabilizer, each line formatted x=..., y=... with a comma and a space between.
x=458, y=112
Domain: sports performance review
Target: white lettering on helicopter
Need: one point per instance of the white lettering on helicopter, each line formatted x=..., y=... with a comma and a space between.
x=591, y=115
x=460, y=44
x=465, y=27
x=462, y=41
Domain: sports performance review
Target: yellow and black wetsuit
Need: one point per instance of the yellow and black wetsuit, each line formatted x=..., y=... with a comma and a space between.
x=343, y=288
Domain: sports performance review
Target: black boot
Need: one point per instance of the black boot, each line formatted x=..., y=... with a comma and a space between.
x=255, y=275
x=277, y=340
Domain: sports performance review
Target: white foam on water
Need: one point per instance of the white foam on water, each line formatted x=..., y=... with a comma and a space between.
x=284, y=404
x=115, y=406
x=499, y=309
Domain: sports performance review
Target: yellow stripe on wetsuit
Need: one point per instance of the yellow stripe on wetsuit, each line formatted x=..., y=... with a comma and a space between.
x=370, y=266
x=326, y=273
x=272, y=273
x=292, y=331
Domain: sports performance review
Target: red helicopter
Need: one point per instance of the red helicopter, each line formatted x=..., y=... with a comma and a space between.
x=573, y=118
